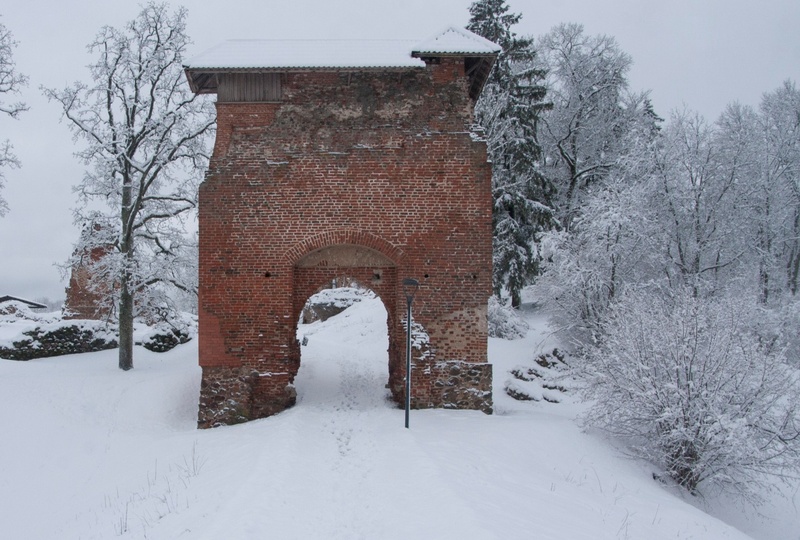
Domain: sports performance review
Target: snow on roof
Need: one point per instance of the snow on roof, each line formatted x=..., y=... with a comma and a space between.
x=306, y=53
x=344, y=53
x=454, y=40
x=28, y=303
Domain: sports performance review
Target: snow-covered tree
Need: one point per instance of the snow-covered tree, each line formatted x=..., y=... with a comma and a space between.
x=581, y=134
x=610, y=243
x=699, y=196
x=145, y=140
x=780, y=169
x=590, y=266
x=10, y=83
x=688, y=385
x=508, y=111
x=760, y=148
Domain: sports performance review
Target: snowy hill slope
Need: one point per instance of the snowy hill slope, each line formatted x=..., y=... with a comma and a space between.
x=90, y=452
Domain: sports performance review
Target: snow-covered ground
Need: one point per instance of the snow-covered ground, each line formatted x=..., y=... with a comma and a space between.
x=88, y=452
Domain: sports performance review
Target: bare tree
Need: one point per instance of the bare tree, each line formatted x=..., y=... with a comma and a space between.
x=586, y=81
x=613, y=237
x=700, y=197
x=146, y=142
x=780, y=168
x=10, y=83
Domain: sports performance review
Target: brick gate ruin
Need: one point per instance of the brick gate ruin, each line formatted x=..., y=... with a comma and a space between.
x=343, y=158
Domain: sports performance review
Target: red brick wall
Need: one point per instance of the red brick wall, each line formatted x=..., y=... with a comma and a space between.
x=87, y=298
x=382, y=160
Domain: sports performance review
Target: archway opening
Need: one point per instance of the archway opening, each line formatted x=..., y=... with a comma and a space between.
x=343, y=332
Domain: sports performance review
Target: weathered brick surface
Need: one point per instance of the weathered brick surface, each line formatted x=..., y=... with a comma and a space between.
x=85, y=298
x=382, y=161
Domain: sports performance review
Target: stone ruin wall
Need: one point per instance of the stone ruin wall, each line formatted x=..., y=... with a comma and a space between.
x=380, y=163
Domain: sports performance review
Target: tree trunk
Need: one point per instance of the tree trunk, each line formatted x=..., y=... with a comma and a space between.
x=125, y=325
x=125, y=291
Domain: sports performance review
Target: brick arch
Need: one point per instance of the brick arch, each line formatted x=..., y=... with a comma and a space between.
x=307, y=282
x=343, y=237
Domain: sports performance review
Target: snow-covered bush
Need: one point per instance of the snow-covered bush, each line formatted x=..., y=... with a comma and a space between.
x=504, y=321
x=13, y=309
x=175, y=330
x=546, y=378
x=588, y=267
x=165, y=339
x=694, y=391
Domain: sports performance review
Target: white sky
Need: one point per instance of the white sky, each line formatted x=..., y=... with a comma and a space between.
x=700, y=53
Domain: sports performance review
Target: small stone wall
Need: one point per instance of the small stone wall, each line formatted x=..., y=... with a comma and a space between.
x=461, y=385
x=225, y=396
x=452, y=384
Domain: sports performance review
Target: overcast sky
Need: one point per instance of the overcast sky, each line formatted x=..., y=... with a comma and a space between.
x=702, y=54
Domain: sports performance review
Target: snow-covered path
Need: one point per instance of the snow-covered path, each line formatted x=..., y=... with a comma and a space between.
x=339, y=464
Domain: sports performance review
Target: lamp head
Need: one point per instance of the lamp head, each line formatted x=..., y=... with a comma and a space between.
x=410, y=287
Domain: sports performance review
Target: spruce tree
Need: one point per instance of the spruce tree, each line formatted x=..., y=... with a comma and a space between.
x=508, y=111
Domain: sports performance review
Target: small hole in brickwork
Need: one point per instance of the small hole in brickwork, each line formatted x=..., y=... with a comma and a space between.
x=426, y=277
x=474, y=276
x=267, y=274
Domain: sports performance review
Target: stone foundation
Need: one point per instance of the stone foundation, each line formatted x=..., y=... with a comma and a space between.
x=452, y=384
x=461, y=385
x=235, y=395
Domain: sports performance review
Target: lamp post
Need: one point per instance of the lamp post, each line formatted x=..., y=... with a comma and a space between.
x=410, y=287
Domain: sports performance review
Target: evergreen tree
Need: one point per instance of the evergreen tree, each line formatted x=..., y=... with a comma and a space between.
x=508, y=111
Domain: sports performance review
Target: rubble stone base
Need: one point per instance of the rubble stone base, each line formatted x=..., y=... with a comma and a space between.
x=451, y=384
x=234, y=395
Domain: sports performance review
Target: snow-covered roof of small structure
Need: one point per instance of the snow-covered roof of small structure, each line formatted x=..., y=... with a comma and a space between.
x=454, y=40
x=30, y=304
x=274, y=54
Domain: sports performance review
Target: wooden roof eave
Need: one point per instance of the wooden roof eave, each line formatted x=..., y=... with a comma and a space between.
x=478, y=74
x=429, y=54
x=203, y=80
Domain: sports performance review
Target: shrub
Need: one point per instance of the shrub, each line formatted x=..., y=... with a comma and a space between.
x=165, y=339
x=504, y=321
x=547, y=377
x=692, y=390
